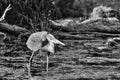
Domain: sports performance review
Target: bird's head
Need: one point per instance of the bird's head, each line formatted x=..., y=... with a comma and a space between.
x=52, y=39
x=49, y=43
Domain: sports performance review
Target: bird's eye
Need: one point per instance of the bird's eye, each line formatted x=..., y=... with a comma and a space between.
x=45, y=43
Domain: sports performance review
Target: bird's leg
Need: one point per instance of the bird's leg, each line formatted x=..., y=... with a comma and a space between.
x=31, y=58
x=48, y=53
x=28, y=67
x=30, y=62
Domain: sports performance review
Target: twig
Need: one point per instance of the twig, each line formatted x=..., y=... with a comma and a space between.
x=7, y=9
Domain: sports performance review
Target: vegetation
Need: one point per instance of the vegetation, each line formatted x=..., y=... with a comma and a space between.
x=31, y=14
x=78, y=60
x=34, y=14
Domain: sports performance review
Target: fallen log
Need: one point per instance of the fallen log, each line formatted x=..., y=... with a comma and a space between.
x=98, y=25
x=73, y=37
x=99, y=34
x=12, y=29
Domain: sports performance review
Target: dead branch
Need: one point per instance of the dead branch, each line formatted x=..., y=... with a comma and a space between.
x=98, y=25
x=68, y=36
x=63, y=23
x=12, y=29
x=7, y=9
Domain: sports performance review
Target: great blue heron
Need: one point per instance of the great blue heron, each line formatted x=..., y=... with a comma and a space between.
x=36, y=42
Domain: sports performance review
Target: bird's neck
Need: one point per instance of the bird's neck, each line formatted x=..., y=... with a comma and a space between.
x=49, y=47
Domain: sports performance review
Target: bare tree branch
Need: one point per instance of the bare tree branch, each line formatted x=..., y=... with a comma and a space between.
x=7, y=9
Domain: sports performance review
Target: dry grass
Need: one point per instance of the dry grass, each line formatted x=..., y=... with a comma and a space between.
x=72, y=62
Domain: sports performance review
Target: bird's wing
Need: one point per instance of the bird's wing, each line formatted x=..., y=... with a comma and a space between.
x=51, y=38
x=35, y=40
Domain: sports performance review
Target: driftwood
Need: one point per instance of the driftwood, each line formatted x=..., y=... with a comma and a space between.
x=95, y=28
x=12, y=29
x=7, y=9
x=72, y=37
x=98, y=25
x=100, y=34
x=99, y=21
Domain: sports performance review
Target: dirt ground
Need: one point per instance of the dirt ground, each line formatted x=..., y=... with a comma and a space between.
x=71, y=62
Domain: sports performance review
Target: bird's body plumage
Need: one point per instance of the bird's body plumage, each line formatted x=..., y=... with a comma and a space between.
x=35, y=40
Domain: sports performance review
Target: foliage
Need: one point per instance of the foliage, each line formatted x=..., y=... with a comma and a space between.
x=83, y=8
x=34, y=14
x=31, y=14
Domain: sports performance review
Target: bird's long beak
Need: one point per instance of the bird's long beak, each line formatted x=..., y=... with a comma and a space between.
x=59, y=42
x=51, y=38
